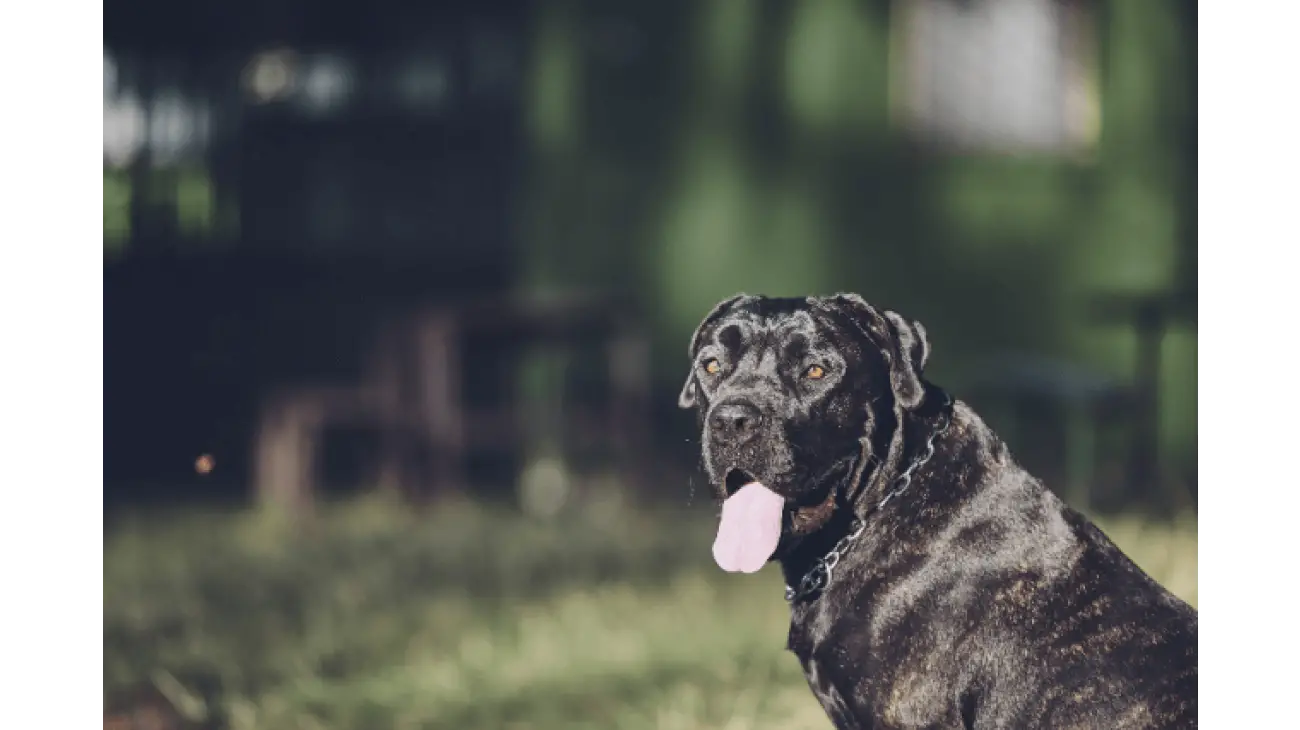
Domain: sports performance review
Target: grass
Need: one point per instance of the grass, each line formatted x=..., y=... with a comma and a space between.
x=373, y=617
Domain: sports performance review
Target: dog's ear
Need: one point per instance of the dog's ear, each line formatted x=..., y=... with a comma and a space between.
x=902, y=341
x=689, y=397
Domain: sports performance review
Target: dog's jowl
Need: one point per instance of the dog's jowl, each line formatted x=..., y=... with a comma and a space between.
x=932, y=582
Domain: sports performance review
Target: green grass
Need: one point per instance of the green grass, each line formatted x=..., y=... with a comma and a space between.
x=373, y=617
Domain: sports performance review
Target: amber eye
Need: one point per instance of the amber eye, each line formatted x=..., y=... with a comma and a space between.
x=815, y=372
x=712, y=366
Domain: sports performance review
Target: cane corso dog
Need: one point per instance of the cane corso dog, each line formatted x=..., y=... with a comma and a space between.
x=932, y=582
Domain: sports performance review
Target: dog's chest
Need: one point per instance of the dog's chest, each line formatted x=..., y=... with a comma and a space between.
x=826, y=634
x=857, y=685
x=826, y=664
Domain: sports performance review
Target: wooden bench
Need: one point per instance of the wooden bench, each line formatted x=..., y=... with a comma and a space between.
x=413, y=393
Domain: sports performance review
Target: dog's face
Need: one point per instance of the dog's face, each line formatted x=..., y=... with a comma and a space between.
x=790, y=391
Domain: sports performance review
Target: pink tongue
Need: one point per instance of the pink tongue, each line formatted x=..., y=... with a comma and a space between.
x=750, y=529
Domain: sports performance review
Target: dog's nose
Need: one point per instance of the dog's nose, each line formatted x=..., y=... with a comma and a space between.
x=736, y=421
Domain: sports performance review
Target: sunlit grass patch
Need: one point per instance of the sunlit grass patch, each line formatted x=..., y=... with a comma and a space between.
x=469, y=618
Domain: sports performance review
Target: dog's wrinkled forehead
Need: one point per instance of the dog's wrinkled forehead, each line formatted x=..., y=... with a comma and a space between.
x=787, y=327
x=752, y=331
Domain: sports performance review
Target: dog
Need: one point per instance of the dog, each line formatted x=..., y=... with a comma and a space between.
x=932, y=582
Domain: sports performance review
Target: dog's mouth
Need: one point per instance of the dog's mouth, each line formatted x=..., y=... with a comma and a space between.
x=751, y=525
x=735, y=479
x=757, y=519
x=814, y=493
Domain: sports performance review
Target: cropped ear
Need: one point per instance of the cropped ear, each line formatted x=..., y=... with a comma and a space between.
x=902, y=341
x=689, y=397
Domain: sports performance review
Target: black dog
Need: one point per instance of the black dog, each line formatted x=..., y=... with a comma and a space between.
x=933, y=583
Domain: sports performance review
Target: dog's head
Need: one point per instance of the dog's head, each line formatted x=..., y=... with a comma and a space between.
x=800, y=394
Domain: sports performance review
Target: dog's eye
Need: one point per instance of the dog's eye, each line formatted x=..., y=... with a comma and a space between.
x=815, y=372
x=712, y=366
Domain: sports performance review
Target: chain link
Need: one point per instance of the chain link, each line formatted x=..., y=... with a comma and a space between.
x=819, y=575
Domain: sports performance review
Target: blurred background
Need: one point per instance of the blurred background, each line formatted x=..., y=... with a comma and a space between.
x=397, y=298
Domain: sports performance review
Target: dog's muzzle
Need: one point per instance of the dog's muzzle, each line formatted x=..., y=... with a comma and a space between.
x=735, y=424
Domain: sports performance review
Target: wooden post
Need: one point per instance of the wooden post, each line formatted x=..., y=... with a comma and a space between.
x=387, y=387
x=1080, y=451
x=440, y=402
x=285, y=452
x=629, y=362
x=1149, y=317
x=1149, y=328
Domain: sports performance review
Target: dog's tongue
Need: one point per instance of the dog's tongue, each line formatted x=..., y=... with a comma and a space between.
x=750, y=529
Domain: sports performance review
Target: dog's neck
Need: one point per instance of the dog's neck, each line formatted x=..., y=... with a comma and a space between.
x=867, y=486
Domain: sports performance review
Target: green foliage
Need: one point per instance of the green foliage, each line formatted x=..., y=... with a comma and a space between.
x=767, y=161
x=117, y=212
x=372, y=616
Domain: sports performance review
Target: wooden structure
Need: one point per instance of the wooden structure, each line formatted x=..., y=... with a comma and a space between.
x=1149, y=316
x=1088, y=402
x=413, y=393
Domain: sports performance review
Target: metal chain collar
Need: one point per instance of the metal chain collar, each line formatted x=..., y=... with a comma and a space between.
x=819, y=575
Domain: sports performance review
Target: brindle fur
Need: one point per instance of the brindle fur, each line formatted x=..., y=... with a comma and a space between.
x=976, y=599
